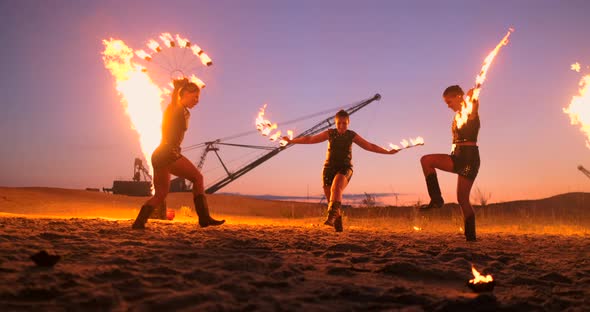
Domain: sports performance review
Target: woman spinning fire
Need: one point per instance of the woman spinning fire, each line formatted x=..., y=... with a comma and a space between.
x=338, y=165
x=167, y=159
x=463, y=160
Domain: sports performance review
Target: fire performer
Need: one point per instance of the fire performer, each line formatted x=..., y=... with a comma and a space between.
x=463, y=160
x=338, y=165
x=167, y=159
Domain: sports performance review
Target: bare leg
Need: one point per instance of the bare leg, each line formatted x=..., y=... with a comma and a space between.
x=327, y=193
x=429, y=165
x=334, y=213
x=463, y=191
x=338, y=185
x=185, y=169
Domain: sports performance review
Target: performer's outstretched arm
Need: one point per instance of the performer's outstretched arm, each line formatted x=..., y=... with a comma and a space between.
x=366, y=145
x=308, y=139
x=475, y=111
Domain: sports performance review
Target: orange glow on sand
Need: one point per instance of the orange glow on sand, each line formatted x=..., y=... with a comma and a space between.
x=467, y=108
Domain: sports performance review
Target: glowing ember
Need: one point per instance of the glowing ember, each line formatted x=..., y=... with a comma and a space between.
x=417, y=228
x=140, y=97
x=478, y=278
x=576, y=67
x=579, y=108
x=467, y=108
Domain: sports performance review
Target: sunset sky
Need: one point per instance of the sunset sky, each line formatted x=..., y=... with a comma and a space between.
x=62, y=123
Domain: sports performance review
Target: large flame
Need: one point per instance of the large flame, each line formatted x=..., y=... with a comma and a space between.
x=478, y=278
x=467, y=108
x=579, y=108
x=140, y=97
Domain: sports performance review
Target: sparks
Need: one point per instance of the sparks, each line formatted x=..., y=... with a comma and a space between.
x=576, y=67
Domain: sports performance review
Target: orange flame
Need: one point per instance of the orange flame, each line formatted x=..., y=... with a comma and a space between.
x=275, y=136
x=467, y=108
x=183, y=42
x=478, y=278
x=417, y=228
x=144, y=55
x=140, y=97
x=290, y=135
x=579, y=108
x=197, y=81
x=167, y=39
x=154, y=45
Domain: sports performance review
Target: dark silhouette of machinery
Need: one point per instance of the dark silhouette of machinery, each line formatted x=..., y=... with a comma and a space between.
x=135, y=187
x=584, y=171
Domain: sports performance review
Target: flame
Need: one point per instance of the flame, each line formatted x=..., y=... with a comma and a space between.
x=206, y=60
x=275, y=136
x=417, y=228
x=405, y=143
x=394, y=147
x=478, y=278
x=154, y=45
x=264, y=125
x=579, y=108
x=417, y=141
x=197, y=81
x=140, y=97
x=467, y=108
x=290, y=135
x=168, y=40
x=196, y=50
x=183, y=42
x=576, y=67
x=144, y=55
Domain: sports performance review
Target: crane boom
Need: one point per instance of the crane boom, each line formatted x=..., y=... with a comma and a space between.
x=319, y=127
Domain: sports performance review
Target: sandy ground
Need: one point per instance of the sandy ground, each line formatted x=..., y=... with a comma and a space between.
x=274, y=264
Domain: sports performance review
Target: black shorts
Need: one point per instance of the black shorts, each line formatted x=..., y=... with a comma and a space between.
x=330, y=172
x=165, y=155
x=466, y=161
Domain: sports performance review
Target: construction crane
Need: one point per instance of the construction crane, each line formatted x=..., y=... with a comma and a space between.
x=273, y=151
x=584, y=171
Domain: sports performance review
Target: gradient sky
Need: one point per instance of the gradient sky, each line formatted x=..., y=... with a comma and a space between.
x=62, y=125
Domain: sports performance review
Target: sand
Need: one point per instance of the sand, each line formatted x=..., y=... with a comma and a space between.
x=273, y=264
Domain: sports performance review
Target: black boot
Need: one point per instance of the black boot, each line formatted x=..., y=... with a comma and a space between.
x=159, y=212
x=202, y=210
x=142, y=217
x=436, y=200
x=470, y=229
x=334, y=216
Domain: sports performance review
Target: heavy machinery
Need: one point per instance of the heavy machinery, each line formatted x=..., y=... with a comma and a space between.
x=135, y=187
x=584, y=171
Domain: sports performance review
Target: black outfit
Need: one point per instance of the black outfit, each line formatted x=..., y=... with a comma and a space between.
x=466, y=159
x=174, y=125
x=338, y=156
